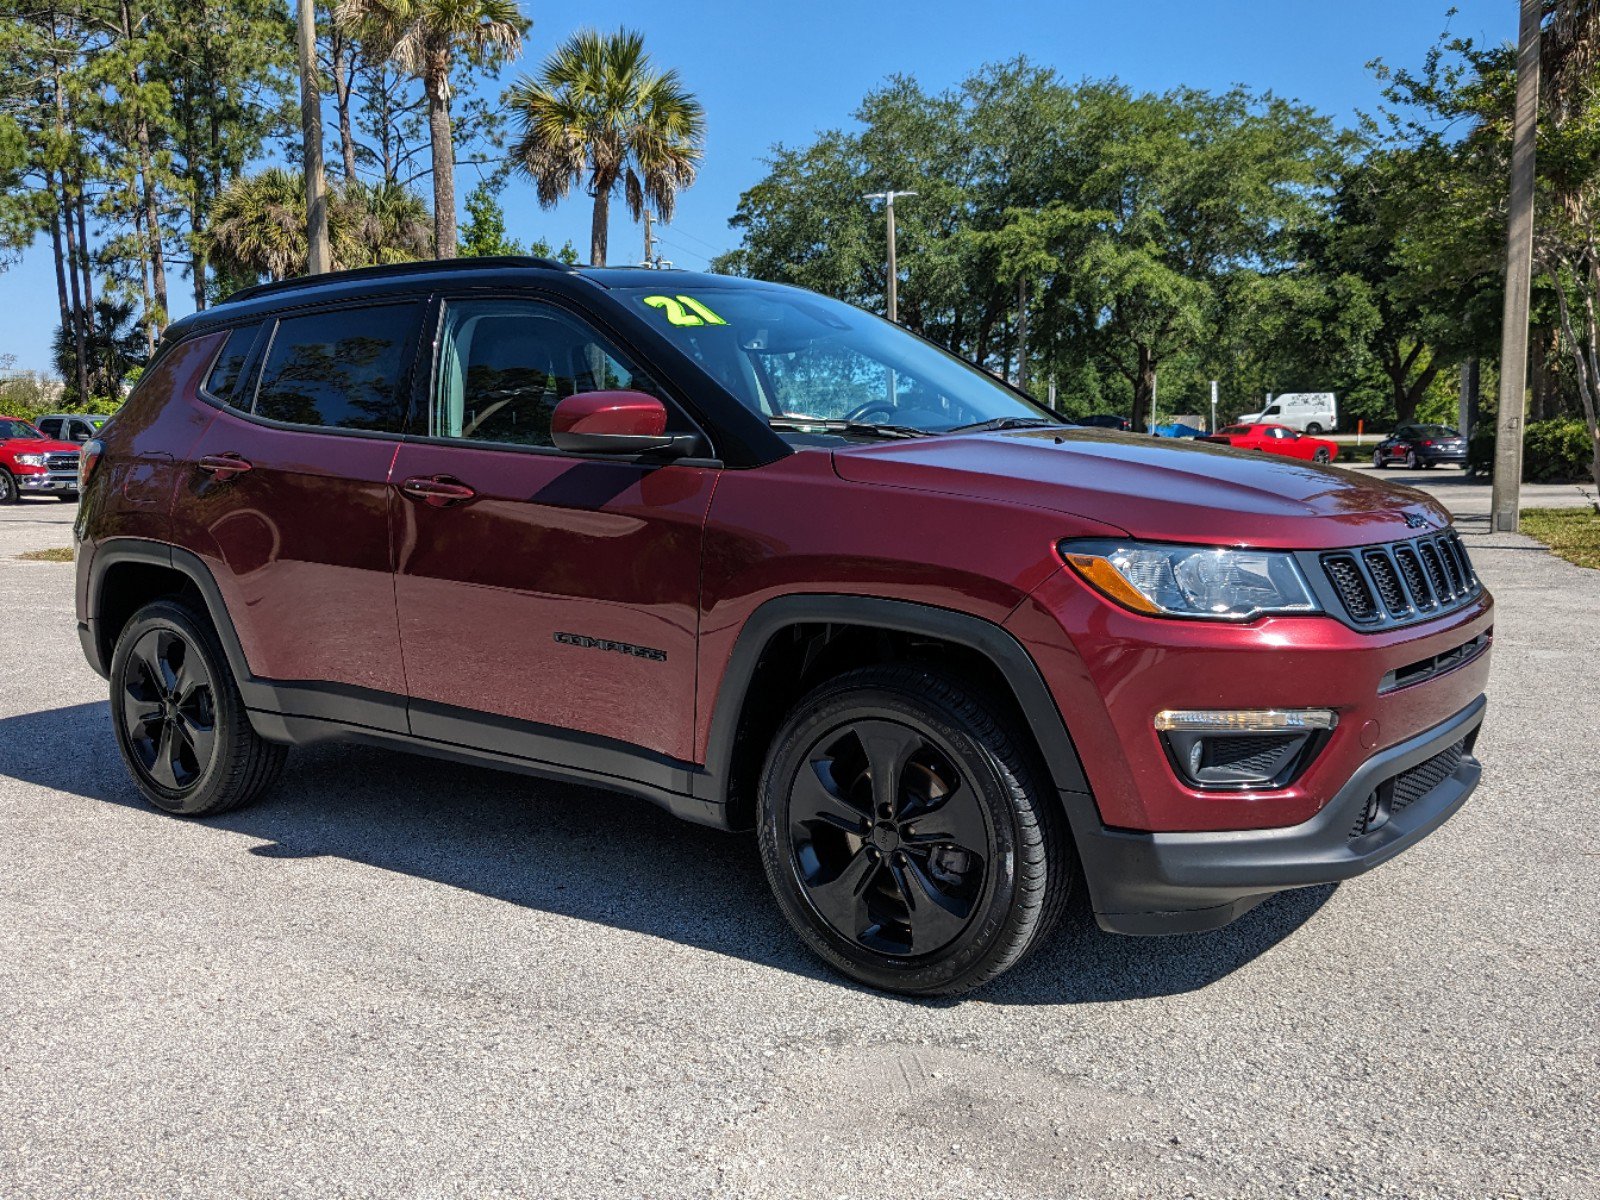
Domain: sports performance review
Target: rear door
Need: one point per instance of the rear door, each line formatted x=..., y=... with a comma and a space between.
x=556, y=590
x=287, y=502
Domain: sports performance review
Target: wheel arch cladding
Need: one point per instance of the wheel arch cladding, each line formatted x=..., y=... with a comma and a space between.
x=792, y=643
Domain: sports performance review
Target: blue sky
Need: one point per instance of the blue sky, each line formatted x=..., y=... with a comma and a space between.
x=779, y=72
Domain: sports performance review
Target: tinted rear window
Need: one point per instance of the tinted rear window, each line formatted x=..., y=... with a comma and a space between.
x=341, y=369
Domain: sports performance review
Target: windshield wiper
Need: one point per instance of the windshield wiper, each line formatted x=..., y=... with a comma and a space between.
x=802, y=424
x=1006, y=423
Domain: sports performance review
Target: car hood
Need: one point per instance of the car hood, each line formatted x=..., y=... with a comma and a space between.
x=1154, y=488
x=35, y=446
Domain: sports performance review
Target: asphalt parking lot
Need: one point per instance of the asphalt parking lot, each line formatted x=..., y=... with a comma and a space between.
x=397, y=977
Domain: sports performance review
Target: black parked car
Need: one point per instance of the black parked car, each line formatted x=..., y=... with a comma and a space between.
x=1418, y=446
x=1105, y=421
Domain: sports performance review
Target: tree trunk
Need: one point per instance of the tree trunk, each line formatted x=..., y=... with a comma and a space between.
x=152, y=216
x=71, y=309
x=1144, y=389
x=341, y=98
x=599, y=226
x=198, y=269
x=444, y=166
x=84, y=263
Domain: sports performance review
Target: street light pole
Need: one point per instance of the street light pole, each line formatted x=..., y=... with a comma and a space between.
x=1506, y=504
x=888, y=199
x=318, y=260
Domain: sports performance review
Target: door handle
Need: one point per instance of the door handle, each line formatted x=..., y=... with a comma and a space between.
x=437, y=490
x=224, y=466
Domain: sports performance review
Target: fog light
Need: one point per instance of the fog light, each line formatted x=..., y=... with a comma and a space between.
x=1235, y=750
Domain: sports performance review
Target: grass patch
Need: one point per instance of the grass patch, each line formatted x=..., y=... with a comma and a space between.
x=1572, y=533
x=54, y=554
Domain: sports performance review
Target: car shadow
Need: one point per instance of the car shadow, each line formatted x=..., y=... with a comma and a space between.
x=598, y=856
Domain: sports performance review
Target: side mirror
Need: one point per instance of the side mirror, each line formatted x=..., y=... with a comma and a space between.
x=628, y=423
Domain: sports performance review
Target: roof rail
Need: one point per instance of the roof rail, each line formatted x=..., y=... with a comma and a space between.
x=429, y=266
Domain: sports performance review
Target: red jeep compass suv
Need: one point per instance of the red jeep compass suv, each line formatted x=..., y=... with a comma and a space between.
x=770, y=561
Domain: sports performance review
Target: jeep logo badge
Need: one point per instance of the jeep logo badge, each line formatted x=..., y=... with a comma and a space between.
x=1416, y=521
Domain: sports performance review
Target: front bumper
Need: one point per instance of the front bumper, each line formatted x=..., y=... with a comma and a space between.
x=44, y=481
x=1157, y=883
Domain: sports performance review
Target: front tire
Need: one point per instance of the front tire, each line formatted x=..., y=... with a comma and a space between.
x=179, y=720
x=907, y=835
x=9, y=492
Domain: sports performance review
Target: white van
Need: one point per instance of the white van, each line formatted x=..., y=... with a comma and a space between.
x=1309, y=412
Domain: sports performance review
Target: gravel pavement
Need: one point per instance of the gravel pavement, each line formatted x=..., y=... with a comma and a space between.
x=396, y=977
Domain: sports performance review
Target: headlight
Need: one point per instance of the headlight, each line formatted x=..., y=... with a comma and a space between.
x=1192, y=581
x=31, y=460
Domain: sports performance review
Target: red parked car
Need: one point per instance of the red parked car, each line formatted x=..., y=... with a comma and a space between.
x=1275, y=439
x=773, y=563
x=34, y=465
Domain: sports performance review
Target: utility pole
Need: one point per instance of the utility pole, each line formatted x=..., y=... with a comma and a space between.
x=318, y=260
x=649, y=243
x=1213, y=428
x=888, y=199
x=1506, y=504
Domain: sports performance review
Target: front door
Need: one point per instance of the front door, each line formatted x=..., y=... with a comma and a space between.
x=547, y=589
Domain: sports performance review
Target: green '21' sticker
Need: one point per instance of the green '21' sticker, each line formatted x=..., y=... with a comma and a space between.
x=684, y=310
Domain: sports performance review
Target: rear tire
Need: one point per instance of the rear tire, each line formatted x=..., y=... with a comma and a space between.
x=179, y=719
x=1322, y=456
x=1313, y=428
x=1412, y=461
x=1379, y=463
x=932, y=874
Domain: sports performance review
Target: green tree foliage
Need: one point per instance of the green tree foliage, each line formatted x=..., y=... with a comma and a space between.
x=484, y=234
x=1136, y=225
x=600, y=116
x=429, y=39
x=116, y=349
x=258, y=226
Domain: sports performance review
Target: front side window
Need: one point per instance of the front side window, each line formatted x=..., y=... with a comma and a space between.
x=790, y=356
x=18, y=429
x=342, y=369
x=504, y=365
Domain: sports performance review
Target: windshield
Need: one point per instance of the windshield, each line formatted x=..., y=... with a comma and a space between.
x=790, y=355
x=18, y=429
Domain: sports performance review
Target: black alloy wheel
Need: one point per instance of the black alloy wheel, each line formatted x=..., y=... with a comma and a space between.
x=179, y=720
x=906, y=834
x=889, y=841
x=169, y=711
x=1322, y=456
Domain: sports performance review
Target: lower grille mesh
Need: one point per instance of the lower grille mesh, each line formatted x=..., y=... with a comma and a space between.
x=1394, y=795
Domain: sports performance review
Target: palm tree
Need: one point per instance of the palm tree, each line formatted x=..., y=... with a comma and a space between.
x=423, y=38
x=258, y=225
x=598, y=115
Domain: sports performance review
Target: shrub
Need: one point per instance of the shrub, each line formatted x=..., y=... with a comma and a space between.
x=1552, y=451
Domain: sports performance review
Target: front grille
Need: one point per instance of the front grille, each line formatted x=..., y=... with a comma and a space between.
x=1380, y=586
x=61, y=463
x=1353, y=590
x=1407, y=788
